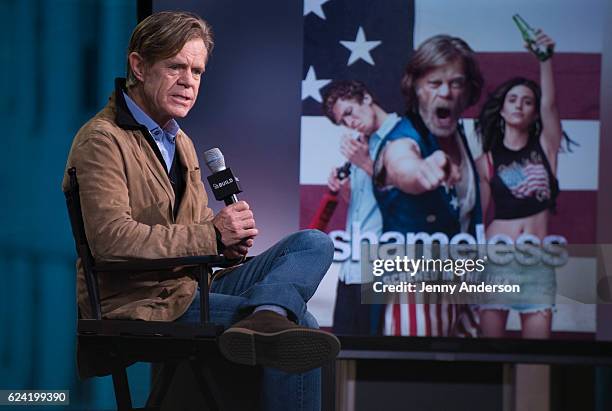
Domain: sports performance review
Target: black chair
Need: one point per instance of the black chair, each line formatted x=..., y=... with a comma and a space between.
x=109, y=346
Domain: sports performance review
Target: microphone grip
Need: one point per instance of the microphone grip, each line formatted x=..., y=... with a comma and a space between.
x=231, y=199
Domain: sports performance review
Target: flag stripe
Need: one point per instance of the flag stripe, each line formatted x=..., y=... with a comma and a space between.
x=439, y=318
x=396, y=320
x=428, y=329
x=421, y=319
x=413, y=319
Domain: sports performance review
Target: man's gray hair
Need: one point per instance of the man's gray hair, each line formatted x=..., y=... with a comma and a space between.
x=163, y=35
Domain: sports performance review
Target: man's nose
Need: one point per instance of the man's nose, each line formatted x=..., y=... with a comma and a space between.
x=186, y=79
x=444, y=90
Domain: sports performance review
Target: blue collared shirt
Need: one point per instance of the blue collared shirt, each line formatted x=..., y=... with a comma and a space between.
x=363, y=215
x=164, y=137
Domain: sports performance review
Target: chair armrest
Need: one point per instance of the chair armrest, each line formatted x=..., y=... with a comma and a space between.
x=160, y=263
x=201, y=262
x=232, y=262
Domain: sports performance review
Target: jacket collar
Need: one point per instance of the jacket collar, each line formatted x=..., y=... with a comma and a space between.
x=123, y=117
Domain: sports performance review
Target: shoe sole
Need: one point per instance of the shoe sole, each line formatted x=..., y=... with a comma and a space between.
x=294, y=350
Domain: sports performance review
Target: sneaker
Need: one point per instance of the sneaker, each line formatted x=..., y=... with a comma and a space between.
x=271, y=340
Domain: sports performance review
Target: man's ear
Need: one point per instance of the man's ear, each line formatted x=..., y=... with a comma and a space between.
x=367, y=99
x=137, y=64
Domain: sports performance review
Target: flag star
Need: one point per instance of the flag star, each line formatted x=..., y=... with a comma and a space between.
x=311, y=87
x=360, y=48
x=314, y=6
x=454, y=202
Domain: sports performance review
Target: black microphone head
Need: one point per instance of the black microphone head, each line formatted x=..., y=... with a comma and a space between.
x=214, y=160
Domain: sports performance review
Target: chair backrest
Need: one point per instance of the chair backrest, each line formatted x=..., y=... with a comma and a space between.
x=73, y=201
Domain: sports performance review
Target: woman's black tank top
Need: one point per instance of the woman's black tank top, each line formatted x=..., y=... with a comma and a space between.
x=522, y=182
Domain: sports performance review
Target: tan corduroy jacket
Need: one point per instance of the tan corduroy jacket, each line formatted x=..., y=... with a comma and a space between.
x=127, y=202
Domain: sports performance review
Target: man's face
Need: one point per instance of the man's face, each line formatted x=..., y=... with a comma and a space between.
x=441, y=94
x=171, y=85
x=356, y=116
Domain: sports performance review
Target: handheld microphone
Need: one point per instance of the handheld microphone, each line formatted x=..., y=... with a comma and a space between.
x=223, y=183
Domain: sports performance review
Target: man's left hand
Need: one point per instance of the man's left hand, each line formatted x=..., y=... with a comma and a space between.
x=357, y=152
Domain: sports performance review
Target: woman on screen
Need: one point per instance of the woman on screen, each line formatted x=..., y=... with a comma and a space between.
x=521, y=134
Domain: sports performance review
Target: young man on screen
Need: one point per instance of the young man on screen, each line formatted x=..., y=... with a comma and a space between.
x=349, y=103
x=142, y=197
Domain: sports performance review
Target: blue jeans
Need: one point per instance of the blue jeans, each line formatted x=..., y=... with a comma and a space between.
x=287, y=275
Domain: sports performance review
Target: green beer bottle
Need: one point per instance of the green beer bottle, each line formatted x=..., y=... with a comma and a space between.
x=529, y=35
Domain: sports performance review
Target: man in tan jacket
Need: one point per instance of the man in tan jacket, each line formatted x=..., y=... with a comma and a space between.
x=142, y=197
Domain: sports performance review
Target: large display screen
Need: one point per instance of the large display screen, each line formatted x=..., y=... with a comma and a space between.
x=368, y=97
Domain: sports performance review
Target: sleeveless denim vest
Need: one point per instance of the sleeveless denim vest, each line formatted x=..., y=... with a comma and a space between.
x=430, y=212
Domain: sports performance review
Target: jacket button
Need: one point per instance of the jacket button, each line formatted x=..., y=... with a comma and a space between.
x=431, y=218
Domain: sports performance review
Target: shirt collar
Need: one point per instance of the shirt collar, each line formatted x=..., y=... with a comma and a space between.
x=388, y=125
x=169, y=131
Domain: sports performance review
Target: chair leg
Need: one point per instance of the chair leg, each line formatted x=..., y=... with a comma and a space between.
x=161, y=384
x=122, y=390
x=328, y=386
x=208, y=386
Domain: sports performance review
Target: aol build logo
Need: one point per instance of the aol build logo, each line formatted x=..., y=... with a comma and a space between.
x=222, y=184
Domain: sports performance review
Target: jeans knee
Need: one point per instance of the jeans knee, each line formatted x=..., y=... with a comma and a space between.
x=311, y=252
x=318, y=241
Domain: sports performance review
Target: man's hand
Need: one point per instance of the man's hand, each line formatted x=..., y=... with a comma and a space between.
x=357, y=152
x=543, y=46
x=437, y=169
x=334, y=183
x=542, y=39
x=236, y=223
x=239, y=250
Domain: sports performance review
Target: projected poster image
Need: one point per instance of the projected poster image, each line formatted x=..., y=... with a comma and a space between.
x=435, y=122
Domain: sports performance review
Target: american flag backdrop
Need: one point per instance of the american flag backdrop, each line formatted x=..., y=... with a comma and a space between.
x=372, y=41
